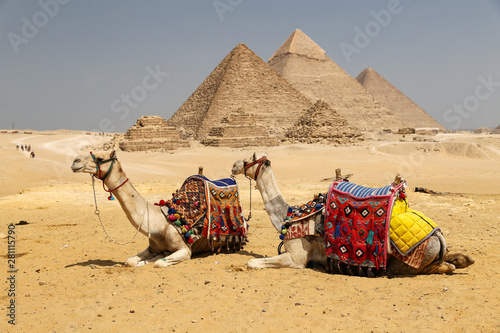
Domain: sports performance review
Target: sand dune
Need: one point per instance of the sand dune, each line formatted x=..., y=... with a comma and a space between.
x=71, y=279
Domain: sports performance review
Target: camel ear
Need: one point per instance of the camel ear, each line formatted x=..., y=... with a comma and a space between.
x=254, y=157
x=113, y=154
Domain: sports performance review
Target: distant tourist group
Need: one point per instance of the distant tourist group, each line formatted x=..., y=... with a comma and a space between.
x=27, y=148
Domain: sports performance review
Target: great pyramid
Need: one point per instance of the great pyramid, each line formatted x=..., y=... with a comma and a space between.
x=242, y=81
x=151, y=133
x=323, y=124
x=307, y=67
x=392, y=98
x=496, y=130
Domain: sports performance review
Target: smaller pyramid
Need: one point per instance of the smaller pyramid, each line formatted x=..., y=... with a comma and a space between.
x=151, y=133
x=483, y=130
x=238, y=130
x=306, y=66
x=323, y=124
x=410, y=114
x=496, y=130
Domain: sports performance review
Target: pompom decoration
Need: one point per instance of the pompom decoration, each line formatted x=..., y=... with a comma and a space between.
x=318, y=206
x=284, y=231
x=402, y=195
x=184, y=230
x=177, y=216
x=178, y=223
x=190, y=241
x=282, y=237
x=172, y=217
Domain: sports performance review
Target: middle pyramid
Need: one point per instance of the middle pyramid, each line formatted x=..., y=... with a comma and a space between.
x=241, y=83
x=307, y=67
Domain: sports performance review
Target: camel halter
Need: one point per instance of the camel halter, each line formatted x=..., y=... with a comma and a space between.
x=98, y=170
x=261, y=161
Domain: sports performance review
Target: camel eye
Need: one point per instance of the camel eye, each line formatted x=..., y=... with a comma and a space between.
x=99, y=159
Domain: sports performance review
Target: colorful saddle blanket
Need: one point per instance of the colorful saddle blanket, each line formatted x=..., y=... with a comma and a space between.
x=357, y=220
x=204, y=208
x=298, y=223
x=409, y=228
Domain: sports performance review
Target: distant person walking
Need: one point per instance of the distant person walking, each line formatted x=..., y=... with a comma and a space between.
x=22, y=148
x=32, y=155
x=17, y=147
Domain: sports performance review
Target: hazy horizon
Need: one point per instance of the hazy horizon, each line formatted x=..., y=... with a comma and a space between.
x=98, y=66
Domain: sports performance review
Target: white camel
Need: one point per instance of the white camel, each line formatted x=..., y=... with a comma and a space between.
x=299, y=251
x=148, y=219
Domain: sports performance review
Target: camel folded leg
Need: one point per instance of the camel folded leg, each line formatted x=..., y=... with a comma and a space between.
x=138, y=259
x=295, y=257
x=175, y=258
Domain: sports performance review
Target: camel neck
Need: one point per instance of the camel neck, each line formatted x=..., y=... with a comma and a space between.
x=274, y=203
x=132, y=203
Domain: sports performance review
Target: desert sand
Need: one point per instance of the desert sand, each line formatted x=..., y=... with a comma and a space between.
x=71, y=278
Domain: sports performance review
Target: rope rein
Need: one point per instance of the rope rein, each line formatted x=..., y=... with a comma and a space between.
x=98, y=212
x=250, y=190
x=259, y=164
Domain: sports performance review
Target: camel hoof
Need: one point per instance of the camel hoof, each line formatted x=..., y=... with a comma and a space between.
x=160, y=263
x=253, y=263
x=132, y=262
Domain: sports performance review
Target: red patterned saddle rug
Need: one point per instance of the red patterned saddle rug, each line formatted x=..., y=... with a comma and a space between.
x=210, y=209
x=357, y=220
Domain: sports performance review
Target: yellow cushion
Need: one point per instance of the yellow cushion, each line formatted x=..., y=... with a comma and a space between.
x=409, y=227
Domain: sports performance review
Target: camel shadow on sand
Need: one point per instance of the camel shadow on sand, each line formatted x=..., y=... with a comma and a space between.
x=96, y=263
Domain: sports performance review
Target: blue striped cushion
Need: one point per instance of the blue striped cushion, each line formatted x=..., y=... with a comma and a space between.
x=219, y=183
x=359, y=191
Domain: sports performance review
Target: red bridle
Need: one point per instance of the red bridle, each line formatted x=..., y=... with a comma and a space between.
x=260, y=162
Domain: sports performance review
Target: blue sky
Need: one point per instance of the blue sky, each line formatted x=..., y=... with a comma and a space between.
x=71, y=64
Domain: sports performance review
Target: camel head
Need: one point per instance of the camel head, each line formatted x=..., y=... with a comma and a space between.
x=250, y=167
x=98, y=164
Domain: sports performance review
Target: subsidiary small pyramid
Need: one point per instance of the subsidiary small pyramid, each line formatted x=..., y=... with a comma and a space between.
x=242, y=81
x=496, y=130
x=151, y=133
x=392, y=98
x=323, y=124
x=307, y=67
